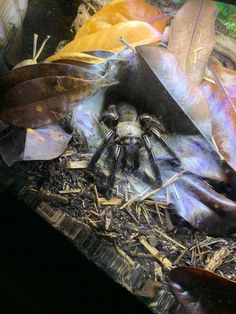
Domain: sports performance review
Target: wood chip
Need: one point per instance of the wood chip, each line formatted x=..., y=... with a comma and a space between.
x=111, y=202
x=78, y=164
x=124, y=255
x=48, y=196
x=156, y=254
x=217, y=259
x=70, y=191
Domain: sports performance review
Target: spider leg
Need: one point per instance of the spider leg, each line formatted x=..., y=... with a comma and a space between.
x=155, y=167
x=110, y=135
x=136, y=157
x=176, y=161
x=112, y=175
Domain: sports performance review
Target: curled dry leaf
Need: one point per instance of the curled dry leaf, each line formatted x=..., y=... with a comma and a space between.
x=221, y=98
x=204, y=208
x=200, y=291
x=192, y=36
x=43, y=100
x=164, y=79
x=135, y=20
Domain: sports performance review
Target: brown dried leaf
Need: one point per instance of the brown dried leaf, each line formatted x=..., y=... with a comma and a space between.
x=34, y=71
x=202, y=292
x=42, y=101
x=192, y=36
x=172, y=94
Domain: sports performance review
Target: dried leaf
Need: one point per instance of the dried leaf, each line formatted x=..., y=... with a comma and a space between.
x=200, y=291
x=221, y=98
x=122, y=11
x=43, y=100
x=34, y=71
x=45, y=143
x=204, y=208
x=135, y=33
x=27, y=144
x=183, y=107
x=192, y=36
x=137, y=21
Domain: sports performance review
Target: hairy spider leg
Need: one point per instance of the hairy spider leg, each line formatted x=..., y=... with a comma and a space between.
x=110, y=135
x=112, y=175
x=151, y=156
x=176, y=161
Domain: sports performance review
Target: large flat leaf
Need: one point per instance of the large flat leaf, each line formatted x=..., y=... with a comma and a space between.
x=174, y=96
x=43, y=100
x=192, y=36
x=123, y=10
x=33, y=71
x=204, y=208
x=135, y=20
x=202, y=292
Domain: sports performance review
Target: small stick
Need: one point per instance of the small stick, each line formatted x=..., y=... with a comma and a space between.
x=48, y=196
x=79, y=164
x=70, y=191
x=181, y=255
x=96, y=195
x=109, y=202
x=170, y=239
x=124, y=255
x=217, y=259
x=158, y=213
x=167, y=183
x=162, y=259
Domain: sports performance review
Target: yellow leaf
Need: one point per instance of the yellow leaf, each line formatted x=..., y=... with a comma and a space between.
x=134, y=32
x=121, y=11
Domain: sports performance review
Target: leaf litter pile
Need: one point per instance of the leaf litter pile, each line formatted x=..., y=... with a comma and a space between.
x=178, y=233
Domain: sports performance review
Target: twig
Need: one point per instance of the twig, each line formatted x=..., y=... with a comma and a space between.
x=181, y=255
x=170, y=239
x=48, y=196
x=70, y=191
x=124, y=255
x=167, y=183
x=156, y=254
x=217, y=259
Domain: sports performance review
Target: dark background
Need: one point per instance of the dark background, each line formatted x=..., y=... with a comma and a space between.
x=42, y=273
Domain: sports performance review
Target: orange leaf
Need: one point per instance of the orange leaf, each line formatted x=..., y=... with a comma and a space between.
x=134, y=32
x=122, y=11
x=135, y=20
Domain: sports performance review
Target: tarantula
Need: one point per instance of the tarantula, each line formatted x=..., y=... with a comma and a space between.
x=128, y=133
